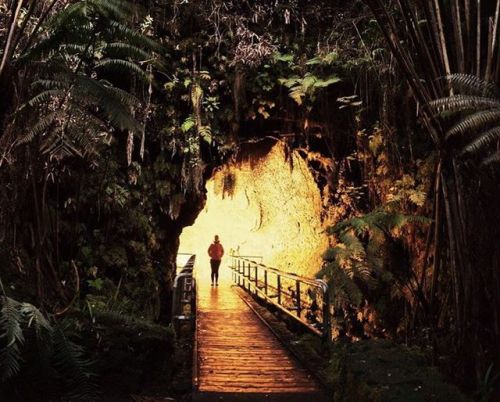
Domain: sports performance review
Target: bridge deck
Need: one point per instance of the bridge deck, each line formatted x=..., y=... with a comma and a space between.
x=238, y=354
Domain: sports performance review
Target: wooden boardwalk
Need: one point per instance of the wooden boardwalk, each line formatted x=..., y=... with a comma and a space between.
x=239, y=357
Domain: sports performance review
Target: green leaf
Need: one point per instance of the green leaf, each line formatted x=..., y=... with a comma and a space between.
x=288, y=57
x=329, y=81
x=188, y=124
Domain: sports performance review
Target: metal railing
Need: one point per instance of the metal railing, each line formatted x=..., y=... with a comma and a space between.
x=184, y=292
x=304, y=299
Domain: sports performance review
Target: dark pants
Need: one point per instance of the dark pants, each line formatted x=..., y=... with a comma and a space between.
x=215, y=264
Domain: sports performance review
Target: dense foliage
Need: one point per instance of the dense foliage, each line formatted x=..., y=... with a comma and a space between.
x=113, y=115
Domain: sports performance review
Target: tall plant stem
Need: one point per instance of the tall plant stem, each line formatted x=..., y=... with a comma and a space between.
x=488, y=75
x=7, y=52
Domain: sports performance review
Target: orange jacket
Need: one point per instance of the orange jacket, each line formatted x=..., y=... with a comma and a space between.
x=216, y=251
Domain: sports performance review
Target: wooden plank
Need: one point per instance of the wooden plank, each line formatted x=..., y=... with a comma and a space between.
x=237, y=353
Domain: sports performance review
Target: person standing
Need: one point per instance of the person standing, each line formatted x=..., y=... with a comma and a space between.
x=216, y=252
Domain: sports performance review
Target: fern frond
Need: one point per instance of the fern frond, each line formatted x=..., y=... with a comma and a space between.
x=124, y=97
x=108, y=101
x=69, y=360
x=11, y=338
x=123, y=66
x=345, y=290
x=127, y=50
x=50, y=84
x=41, y=126
x=473, y=123
x=113, y=9
x=358, y=224
x=483, y=142
x=458, y=103
x=353, y=243
x=47, y=95
x=73, y=48
x=60, y=144
x=64, y=17
x=119, y=30
x=493, y=159
x=472, y=85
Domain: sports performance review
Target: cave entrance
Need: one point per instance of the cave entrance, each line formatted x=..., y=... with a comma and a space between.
x=265, y=203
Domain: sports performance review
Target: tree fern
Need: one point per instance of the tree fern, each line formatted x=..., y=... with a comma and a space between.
x=69, y=361
x=358, y=256
x=477, y=130
x=126, y=50
x=472, y=85
x=11, y=338
x=123, y=66
x=56, y=354
x=119, y=30
x=484, y=142
x=464, y=102
x=474, y=123
x=84, y=42
x=492, y=159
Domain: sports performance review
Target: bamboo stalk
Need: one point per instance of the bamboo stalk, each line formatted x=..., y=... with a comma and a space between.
x=457, y=30
x=478, y=39
x=437, y=236
x=492, y=44
x=467, y=13
x=442, y=38
x=10, y=38
x=24, y=24
x=419, y=91
x=421, y=44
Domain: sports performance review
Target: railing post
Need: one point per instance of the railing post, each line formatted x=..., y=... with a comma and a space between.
x=278, y=279
x=249, y=276
x=265, y=281
x=327, y=329
x=244, y=275
x=297, y=290
x=256, y=280
x=239, y=273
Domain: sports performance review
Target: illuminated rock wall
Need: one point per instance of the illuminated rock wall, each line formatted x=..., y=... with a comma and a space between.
x=268, y=206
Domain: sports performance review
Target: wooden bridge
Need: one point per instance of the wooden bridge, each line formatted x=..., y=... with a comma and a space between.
x=237, y=357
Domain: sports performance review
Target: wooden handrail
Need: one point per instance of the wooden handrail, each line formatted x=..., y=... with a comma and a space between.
x=256, y=278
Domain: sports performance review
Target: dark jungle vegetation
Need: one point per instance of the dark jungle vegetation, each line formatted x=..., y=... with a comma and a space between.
x=114, y=113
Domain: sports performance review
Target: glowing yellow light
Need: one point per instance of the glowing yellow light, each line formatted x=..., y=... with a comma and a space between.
x=267, y=207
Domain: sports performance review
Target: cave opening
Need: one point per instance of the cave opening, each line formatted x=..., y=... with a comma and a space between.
x=263, y=203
